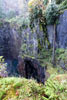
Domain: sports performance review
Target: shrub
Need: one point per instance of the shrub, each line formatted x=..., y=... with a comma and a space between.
x=3, y=66
x=45, y=2
x=63, y=5
x=34, y=3
x=51, y=13
x=55, y=89
x=35, y=8
x=59, y=1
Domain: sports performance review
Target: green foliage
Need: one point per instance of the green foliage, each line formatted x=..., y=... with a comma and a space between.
x=36, y=12
x=51, y=13
x=17, y=84
x=18, y=88
x=3, y=66
x=51, y=91
x=63, y=5
x=45, y=56
x=20, y=21
x=45, y=2
x=2, y=93
x=54, y=89
x=23, y=89
x=62, y=54
x=35, y=15
x=1, y=23
x=25, y=22
x=59, y=1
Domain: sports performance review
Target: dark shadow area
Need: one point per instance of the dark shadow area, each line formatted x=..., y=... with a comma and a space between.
x=34, y=70
x=28, y=68
x=31, y=72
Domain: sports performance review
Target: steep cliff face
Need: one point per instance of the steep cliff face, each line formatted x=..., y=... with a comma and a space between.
x=9, y=41
x=32, y=40
x=61, y=31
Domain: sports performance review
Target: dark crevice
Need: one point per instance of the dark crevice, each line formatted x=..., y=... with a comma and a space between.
x=30, y=70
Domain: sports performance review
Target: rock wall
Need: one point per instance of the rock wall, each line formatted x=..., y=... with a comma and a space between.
x=29, y=42
x=32, y=39
x=61, y=31
x=9, y=41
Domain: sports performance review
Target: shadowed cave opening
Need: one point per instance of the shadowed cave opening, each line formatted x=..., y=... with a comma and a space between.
x=28, y=68
x=31, y=72
x=34, y=70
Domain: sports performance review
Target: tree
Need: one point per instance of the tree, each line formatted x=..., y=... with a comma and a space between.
x=51, y=16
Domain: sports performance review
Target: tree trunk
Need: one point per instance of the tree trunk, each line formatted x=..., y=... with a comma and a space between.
x=53, y=55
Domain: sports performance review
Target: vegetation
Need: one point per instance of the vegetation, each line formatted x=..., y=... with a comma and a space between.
x=59, y=1
x=2, y=15
x=43, y=13
x=18, y=89
x=3, y=67
x=61, y=56
x=51, y=13
x=63, y=5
